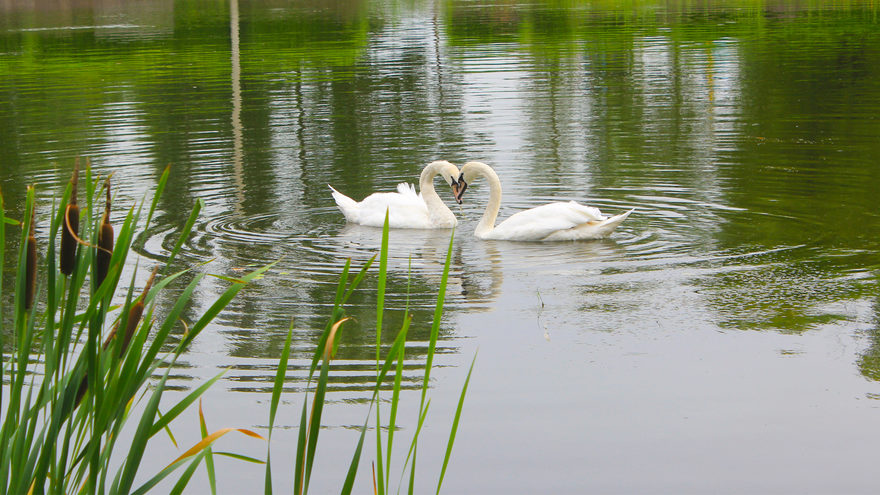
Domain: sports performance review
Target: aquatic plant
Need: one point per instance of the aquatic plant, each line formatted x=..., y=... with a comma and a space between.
x=310, y=419
x=66, y=396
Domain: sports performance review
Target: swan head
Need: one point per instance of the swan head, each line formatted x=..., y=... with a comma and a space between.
x=450, y=174
x=469, y=172
x=459, y=188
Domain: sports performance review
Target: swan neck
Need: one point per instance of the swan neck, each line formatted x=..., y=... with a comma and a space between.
x=426, y=184
x=439, y=213
x=487, y=222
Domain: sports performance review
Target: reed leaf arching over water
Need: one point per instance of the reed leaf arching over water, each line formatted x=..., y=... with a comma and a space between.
x=68, y=395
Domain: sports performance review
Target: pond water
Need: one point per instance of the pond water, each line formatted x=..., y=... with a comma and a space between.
x=725, y=339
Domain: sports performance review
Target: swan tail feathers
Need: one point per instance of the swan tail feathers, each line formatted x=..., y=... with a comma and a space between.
x=407, y=189
x=347, y=206
x=608, y=225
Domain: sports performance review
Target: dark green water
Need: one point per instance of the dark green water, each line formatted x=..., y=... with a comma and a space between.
x=725, y=339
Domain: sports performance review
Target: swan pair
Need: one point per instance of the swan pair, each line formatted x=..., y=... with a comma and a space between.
x=557, y=221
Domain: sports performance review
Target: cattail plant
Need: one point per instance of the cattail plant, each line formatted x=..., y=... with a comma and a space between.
x=134, y=317
x=31, y=265
x=70, y=228
x=54, y=441
x=105, y=242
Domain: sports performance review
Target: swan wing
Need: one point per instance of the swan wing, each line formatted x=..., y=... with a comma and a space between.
x=408, y=190
x=546, y=221
x=406, y=209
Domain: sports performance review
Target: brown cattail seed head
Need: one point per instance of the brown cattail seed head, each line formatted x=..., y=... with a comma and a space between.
x=31, y=266
x=70, y=228
x=105, y=242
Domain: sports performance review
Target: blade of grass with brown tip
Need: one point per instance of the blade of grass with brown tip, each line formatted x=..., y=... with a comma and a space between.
x=205, y=443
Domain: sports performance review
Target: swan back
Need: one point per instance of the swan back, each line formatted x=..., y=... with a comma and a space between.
x=406, y=208
x=558, y=221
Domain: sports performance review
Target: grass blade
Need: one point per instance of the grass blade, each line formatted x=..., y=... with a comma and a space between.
x=455, y=424
x=187, y=228
x=280, y=376
x=209, y=457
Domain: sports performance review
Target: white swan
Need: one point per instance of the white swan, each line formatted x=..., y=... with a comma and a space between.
x=557, y=221
x=406, y=209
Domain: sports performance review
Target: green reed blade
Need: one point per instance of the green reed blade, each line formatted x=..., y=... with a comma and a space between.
x=343, y=279
x=241, y=457
x=139, y=442
x=188, y=472
x=438, y=314
x=170, y=320
x=160, y=187
x=161, y=475
x=395, y=399
x=315, y=422
x=393, y=352
x=380, y=311
x=299, y=464
x=18, y=360
x=413, y=448
x=221, y=303
x=358, y=278
x=432, y=345
x=380, y=291
x=455, y=424
x=356, y=459
x=187, y=229
x=209, y=453
x=183, y=404
x=277, y=387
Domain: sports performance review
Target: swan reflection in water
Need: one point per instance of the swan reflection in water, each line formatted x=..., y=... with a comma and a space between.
x=475, y=272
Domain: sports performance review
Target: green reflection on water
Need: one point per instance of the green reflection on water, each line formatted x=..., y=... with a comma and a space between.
x=735, y=127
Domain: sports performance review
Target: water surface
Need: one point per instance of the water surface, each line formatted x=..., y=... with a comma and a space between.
x=724, y=339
